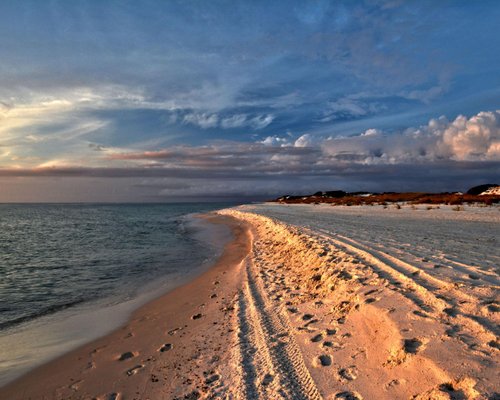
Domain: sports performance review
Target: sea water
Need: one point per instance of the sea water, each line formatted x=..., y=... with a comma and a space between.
x=70, y=273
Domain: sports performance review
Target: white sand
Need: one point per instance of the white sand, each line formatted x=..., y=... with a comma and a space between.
x=373, y=303
x=312, y=302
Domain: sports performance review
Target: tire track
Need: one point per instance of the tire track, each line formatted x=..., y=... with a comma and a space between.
x=271, y=361
x=423, y=296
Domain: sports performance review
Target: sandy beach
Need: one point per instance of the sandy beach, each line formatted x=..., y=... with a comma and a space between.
x=171, y=346
x=305, y=304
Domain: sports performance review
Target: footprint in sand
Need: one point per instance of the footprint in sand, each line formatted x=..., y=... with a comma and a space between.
x=410, y=347
x=413, y=346
x=333, y=345
x=127, y=355
x=211, y=379
x=394, y=383
x=349, y=373
x=317, y=338
x=348, y=396
x=451, y=311
x=495, y=344
x=165, y=347
x=421, y=314
x=194, y=395
x=268, y=378
x=310, y=322
x=323, y=360
x=331, y=332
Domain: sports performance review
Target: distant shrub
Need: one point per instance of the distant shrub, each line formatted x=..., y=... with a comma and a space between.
x=411, y=198
x=456, y=201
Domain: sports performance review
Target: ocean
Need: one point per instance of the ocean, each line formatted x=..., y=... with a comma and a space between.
x=71, y=273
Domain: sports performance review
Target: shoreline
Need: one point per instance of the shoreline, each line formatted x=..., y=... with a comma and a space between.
x=94, y=370
x=310, y=303
x=41, y=340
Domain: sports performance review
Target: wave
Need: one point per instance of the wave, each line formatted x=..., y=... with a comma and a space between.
x=40, y=313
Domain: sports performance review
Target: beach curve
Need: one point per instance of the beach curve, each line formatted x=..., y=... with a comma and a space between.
x=293, y=312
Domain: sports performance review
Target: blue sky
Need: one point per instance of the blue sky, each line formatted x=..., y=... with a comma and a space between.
x=166, y=100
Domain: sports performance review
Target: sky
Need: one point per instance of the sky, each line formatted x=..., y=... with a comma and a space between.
x=158, y=101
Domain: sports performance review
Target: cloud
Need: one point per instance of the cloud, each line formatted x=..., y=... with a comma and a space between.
x=474, y=139
x=351, y=107
x=276, y=141
x=161, y=184
x=441, y=155
x=261, y=121
x=207, y=120
x=424, y=95
x=235, y=121
x=347, y=106
x=477, y=138
x=305, y=140
x=203, y=120
x=463, y=139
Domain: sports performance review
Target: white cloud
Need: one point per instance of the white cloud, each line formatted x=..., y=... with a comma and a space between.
x=235, y=121
x=203, y=120
x=371, y=132
x=425, y=96
x=261, y=121
x=436, y=145
x=275, y=141
x=206, y=120
x=354, y=106
x=305, y=140
x=463, y=139
x=347, y=105
x=474, y=138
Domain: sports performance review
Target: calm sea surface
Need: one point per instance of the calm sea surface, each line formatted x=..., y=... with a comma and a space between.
x=65, y=269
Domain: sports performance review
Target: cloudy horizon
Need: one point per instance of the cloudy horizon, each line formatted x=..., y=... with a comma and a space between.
x=174, y=101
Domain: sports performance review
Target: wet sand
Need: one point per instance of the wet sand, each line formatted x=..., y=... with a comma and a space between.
x=170, y=347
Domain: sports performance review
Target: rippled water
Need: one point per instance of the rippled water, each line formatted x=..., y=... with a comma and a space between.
x=61, y=259
x=57, y=256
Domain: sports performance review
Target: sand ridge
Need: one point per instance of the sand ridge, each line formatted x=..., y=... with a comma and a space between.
x=368, y=325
